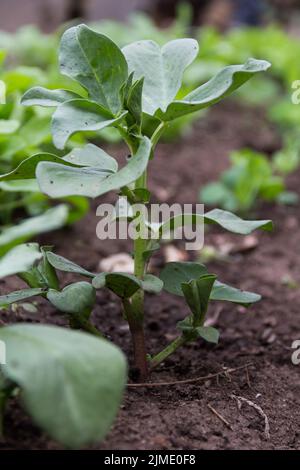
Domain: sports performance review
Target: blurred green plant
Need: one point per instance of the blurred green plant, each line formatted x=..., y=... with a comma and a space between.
x=24, y=210
x=253, y=177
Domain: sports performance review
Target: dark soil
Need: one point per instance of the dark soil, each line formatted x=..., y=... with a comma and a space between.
x=179, y=417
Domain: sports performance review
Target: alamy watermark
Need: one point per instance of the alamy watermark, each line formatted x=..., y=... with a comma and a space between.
x=296, y=94
x=296, y=354
x=152, y=222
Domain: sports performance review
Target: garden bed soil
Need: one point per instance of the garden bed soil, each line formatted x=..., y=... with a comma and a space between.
x=182, y=416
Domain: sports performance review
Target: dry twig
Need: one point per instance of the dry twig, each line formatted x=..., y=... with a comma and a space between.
x=190, y=381
x=258, y=410
x=221, y=418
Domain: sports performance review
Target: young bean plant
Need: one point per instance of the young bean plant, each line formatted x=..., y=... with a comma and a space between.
x=125, y=89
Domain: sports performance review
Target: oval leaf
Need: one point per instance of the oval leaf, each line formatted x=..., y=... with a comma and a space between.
x=62, y=264
x=235, y=224
x=19, y=295
x=93, y=156
x=40, y=96
x=208, y=333
x=231, y=294
x=96, y=63
x=174, y=274
x=152, y=284
x=220, y=86
x=26, y=169
x=80, y=115
x=71, y=382
x=78, y=298
x=19, y=259
x=162, y=69
x=59, y=181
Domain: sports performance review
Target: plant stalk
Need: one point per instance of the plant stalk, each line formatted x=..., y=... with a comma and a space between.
x=170, y=349
x=134, y=309
x=84, y=324
x=136, y=326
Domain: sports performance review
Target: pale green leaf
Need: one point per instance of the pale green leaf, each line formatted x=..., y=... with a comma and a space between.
x=62, y=264
x=39, y=96
x=176, y=273
x=80, y=115
x=19, y=295
x=19, y=259
x=96, y=63
x=91, y=155
x=152, y=284
x=162, y=69
x=235, y=224
x=78, y=298
x=26, y=169
x=71, y=382
x=59, y=181
x=231, y=294
x=208, y=333
x=220, y=86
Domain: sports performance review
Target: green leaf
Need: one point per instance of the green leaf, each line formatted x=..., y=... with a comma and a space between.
x=152, y=284
x=26, y=169
x=62, y=264
x=59, y=181
x=174, y=274
x=19, y=259
x=80, y=115
x=122, y=284
x=134, y=100
x=162, y=69
x=47, y=270
x=19, y=295
x=39, y=96
x=225, y=219
x=71, y=382
x=231, y=294
x=93, y=156
x=208, y=333
x=235, y=224
x=99, y=280
x=51, y=219
x=197, y=293
x=77, y=299
x=96, y=63
x=220, y=86
x=34, y=278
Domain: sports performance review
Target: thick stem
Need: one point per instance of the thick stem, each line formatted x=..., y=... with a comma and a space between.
x=170, y=349
x=135, y=308
x=136, y=327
